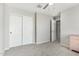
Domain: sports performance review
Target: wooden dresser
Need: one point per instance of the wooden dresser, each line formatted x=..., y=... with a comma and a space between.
x=74, y=42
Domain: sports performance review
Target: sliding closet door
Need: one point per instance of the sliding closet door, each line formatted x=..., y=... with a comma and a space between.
x=15, y=29
x=27, y=30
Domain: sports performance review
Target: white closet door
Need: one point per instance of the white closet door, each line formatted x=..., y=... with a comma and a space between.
x=27, y=30
x=15, y=31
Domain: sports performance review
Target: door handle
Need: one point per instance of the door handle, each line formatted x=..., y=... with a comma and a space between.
x=10, y=32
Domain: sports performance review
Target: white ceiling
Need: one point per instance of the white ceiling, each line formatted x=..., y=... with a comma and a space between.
x=51, y=10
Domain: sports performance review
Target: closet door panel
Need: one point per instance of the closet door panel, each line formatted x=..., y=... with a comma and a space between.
x=15, y=31
x=27, y=30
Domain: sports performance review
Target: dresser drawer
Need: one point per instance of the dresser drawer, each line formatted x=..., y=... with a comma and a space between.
x=74, y=42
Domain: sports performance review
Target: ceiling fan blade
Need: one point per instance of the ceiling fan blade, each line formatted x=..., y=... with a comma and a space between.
x=46, y=6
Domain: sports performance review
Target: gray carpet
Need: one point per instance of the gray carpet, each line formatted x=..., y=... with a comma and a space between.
x=46, y=49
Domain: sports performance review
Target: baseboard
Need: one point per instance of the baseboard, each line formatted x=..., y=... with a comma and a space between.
x=29, y=43
x=6, y=48
x=42, y=42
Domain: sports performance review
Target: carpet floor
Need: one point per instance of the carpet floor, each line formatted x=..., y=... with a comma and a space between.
x=45, y=49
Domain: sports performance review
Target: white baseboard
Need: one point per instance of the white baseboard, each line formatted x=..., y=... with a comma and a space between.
x=42, y=42
x=29, y=43
x=6, y=48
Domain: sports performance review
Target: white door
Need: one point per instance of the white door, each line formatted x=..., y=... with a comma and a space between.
x=15, y=29
x=27, y=30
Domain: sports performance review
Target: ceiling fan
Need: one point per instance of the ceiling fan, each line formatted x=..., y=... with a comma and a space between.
x=44, y=6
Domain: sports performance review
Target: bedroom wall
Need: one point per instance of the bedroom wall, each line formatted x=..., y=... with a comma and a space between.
x=8, y=12
x=6, y=27
x=1, y=28
x=43, y=28
x=69, y=24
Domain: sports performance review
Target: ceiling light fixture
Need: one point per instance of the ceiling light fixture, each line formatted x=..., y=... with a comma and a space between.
x=51, y=3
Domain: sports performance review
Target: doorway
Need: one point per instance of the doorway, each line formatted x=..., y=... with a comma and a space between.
x=55, y=30
x=58, y=30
